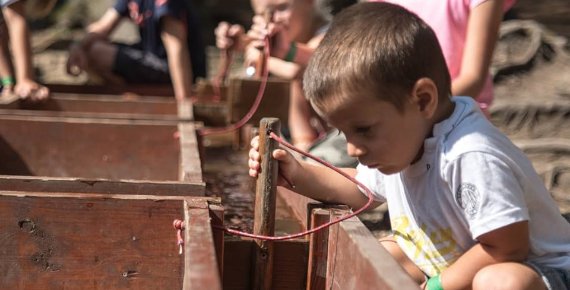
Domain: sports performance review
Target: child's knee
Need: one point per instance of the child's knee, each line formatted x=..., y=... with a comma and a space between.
x=505, y=276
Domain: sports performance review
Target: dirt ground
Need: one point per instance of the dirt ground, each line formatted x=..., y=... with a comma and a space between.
x=532, y=93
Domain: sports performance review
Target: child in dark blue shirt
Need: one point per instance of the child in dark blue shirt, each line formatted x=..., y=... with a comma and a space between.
x=170, y=47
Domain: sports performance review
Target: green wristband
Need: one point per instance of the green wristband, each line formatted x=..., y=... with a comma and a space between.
x=434, y=283
x=7, y=81
x=290, y=56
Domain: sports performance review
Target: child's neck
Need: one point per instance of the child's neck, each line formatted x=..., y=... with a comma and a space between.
x=444, y=111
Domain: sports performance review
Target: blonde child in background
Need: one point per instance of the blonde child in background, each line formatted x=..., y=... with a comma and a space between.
x=15, y=42
x=468, y=211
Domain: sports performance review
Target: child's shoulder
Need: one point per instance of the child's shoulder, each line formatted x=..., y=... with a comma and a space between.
x=468, y=130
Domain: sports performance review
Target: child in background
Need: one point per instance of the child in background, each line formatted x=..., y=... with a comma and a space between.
x=15, y=34
x=296, y=28
x=467, y=209
x=467, y=32
x=170, y=48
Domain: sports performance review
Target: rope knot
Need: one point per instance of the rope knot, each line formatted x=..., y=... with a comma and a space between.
x=179, y=226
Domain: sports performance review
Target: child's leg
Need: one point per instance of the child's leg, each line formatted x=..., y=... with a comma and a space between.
x=101, y=58
x=521, y=276
x=392, y=247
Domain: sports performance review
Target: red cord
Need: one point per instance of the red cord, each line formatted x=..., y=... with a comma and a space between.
x=253, y=109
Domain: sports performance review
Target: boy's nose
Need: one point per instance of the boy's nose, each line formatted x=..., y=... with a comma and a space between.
x=354, y=150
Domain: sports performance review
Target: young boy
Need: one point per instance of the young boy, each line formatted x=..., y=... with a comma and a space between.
x=467, y=208
x=170, y=48
x=15, y=34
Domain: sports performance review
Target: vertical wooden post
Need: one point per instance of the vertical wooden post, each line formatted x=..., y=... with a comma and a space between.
x=265, y=196
x=318, y=249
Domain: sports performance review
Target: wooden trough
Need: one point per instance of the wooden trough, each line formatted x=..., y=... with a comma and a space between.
x=97, y=148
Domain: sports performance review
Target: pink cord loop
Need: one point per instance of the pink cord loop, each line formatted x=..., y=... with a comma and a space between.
x=179, y=226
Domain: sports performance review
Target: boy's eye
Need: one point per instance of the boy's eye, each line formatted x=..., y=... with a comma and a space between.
x=362, y=130
x=282, y=7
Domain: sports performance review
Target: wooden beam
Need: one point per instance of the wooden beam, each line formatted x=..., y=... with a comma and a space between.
x=243, y=91
x=264, y=211
x=201, y=269
x=290, y=264
x=356, y=260
x=318, y=250
x=79, y=185
x=127, y=90
x=190, y=158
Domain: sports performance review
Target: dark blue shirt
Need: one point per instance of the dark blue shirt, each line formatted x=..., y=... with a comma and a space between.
x=147, y=15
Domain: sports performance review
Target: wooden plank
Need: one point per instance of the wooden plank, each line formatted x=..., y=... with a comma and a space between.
x=89, y=148
x=264, y=211
x=78, y=185
x=356, y=260
x=100, y=103
x=89, y=115
x=318, y=250
x=200, y=260
x=127, y=90
x=275, y=103
x=296, y=203
x=217, y=221
x=89, y=242
x=190, y=161
x=289, y=268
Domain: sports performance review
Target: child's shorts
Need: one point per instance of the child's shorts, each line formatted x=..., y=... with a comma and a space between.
x=555, y=279
x=137, y=66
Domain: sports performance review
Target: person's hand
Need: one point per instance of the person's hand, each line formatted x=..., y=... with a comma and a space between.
x=251, y=56
x=229, y=36
x=280, y=40
x=77, y=60
x=30, y=90
x=288, y=165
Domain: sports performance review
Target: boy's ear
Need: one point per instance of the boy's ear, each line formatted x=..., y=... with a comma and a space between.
x=425, y=95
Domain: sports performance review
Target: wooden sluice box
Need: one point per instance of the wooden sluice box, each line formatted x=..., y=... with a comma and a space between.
x=95, y=148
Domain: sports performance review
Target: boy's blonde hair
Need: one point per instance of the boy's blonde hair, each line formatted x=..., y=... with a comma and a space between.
x=379, y=48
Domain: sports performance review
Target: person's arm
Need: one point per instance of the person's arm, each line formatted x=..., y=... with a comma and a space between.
x=482, y=34
x=316, y=182
x=174, y=38
x=26, y=86
x=6, y=74
x=507, y=244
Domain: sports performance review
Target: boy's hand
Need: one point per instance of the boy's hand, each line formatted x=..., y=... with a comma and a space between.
x=31, y=90
x=77, y=60
x=229, y=36
x=288, y=165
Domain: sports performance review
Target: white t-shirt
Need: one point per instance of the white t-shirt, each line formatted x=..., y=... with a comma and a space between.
x=470, y=180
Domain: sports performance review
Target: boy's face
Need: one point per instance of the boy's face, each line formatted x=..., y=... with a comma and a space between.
x=294, y=15
x=378, y=134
